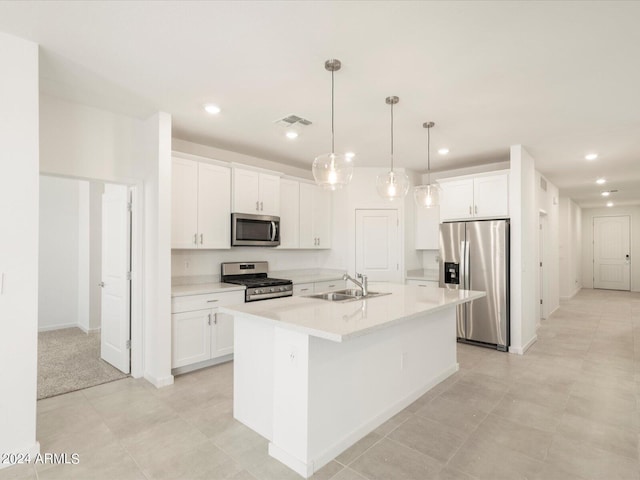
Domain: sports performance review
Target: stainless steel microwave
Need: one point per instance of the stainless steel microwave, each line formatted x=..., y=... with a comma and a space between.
x=254, y=230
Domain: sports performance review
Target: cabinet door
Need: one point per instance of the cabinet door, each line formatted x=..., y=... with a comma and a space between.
x=246, y=187
x=427, y=228
x=307, y=237
x=221, y=334
x=184, y=203
x=214, y=206
x=289, y=214
x=491, y=196
x=191, y=339
x=269, y=194
x=456, y=200
x=322, y=217
x=329, y=286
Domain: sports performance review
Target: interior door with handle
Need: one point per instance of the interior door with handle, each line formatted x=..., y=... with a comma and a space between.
x=611, y=253
x=116, y=241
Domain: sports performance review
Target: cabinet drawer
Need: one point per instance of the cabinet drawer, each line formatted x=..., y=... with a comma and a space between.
x=303, y=288
x=423, y=283
x=329, y=286
x=190, y=303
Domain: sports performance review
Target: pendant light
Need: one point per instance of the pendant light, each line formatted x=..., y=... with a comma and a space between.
x=427, y=196
x=332, y=170
x=392, y=185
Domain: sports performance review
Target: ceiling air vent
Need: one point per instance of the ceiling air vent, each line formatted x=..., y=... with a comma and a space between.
x=543, y=184
x=291, y=120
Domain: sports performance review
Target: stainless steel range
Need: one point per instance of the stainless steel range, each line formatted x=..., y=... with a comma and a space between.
x=253, y=275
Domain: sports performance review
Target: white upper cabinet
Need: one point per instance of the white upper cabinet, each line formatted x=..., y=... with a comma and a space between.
x=427, y=228
x=479, y=197
x=289, y=213
x=256, y=192
x=315, y=217
x=200, y=205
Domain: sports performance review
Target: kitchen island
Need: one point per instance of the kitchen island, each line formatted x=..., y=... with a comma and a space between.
x=314, y=376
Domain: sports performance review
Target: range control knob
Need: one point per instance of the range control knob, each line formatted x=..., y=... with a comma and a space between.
x=258, y=290
x=272, y=289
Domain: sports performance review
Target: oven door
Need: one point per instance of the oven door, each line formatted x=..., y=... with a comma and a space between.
x=254, y=230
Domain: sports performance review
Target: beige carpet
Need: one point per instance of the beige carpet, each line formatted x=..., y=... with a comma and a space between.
x=68, y=360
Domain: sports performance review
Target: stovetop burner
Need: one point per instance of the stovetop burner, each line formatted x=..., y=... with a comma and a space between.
x=259, y=282
x=254, y=277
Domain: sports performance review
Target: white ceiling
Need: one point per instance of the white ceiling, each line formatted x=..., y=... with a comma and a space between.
x=560, y=78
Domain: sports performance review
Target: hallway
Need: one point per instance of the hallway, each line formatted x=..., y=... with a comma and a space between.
x=568, y=409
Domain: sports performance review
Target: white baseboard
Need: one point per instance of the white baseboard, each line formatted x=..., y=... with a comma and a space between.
x=573, y=294
x=524, y=348
x=32, y=451
x=89, y=330
x=553, y=311
x=159, y=382
x=58, y=327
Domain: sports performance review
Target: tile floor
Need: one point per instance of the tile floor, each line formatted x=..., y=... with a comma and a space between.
x=568, y=409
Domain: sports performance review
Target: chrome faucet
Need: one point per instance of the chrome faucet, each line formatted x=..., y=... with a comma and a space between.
x=362, y=283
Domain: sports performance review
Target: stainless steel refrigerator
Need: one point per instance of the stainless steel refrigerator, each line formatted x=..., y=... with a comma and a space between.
x=475, y=256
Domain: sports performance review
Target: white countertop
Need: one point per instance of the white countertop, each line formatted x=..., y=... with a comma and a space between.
x=431, y=274
x=339, y=321
x=203, y=288
x=308, y=275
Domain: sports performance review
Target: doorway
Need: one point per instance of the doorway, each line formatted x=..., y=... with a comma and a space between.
x=611, y=252
x=85, y=246
x=378, y=245
x=542, y=231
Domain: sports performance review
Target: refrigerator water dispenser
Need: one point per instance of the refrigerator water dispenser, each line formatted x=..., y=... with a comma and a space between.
x=451, y=271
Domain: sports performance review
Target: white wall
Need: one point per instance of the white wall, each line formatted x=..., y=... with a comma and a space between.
x=548, y=202
x=587, y=240
x=18, y=244
x=59, y=247
x=570, y=246
x=87, y=142
x=84, y=255
x=523, y=210
x=95, y=259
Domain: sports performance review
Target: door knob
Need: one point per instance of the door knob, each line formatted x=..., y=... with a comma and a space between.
x=101, y=284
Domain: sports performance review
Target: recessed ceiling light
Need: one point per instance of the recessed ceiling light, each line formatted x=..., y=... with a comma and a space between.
x=600, y=181
x=609, y=204
x=591, y=156
x=443, y=151
x=605, y=194
x=212, y=109
x=350, y=154
x=291, y=134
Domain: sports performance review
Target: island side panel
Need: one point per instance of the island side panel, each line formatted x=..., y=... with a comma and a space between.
x=357, y=385
x=253, y=374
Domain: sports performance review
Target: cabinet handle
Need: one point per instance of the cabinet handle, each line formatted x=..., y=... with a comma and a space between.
x=209, y=319
x=261, y=206
x=211, y=301
x=201, y=239
x=257, y=206
x=195, y=238
x=215, y=318
x=331, y=286
x=470, y=212
x=304, y=289
x=476, y=208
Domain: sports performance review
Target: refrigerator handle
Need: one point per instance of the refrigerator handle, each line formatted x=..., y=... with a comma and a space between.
x=467, y=278
x=463, y=266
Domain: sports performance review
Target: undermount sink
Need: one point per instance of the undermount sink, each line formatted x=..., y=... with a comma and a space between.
x=347, y=295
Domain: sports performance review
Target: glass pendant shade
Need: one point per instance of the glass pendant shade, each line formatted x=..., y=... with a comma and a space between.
x=332, y=170
x=392, y=185
x=427, y=196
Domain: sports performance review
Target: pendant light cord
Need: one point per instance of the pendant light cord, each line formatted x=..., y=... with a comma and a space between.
x=429, y=156
x=333, y=151
x=392, y=137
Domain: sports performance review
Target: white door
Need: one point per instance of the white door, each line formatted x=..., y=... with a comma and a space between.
x=322, y=217
x=221, y=335
x=456, y=200
x=246, y=185
x=377, y=245
x=611, y=253
x=269, y=194
x=116, y=323
x=491, y=196
x=289, y=213
x=191, y=337
x=307, y=238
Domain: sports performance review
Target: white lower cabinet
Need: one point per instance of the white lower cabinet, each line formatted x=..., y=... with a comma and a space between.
x=199, y=331
x=318, y=287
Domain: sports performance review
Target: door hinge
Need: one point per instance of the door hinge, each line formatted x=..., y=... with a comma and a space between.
x=540, y=301
x=129, y=344
x=128, y=275
x=540, y=263
x=129, y=206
